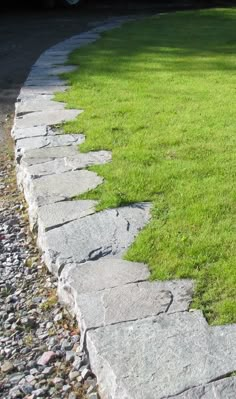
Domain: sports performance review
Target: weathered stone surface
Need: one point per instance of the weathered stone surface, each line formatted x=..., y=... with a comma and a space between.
x=26, y=172
x=34, y=169
x=128, y=302
x=30, y=132
x=223, y=389
x=105, y=273
x=44, y=81
x=38, y=103
x=160, y=357
x=23, y=145
x=109, y=232
x=46, y=118
x=53, y=215
x=39, y=154
x=83, y=160
x=30, y=91
x=55, y=188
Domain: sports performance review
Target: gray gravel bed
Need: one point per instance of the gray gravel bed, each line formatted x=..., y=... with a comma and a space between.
x=40, y=353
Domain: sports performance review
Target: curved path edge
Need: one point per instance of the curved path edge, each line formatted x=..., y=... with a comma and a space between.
x=142, y=341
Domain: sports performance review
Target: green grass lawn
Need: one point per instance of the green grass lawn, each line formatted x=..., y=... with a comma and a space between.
x=161, y=95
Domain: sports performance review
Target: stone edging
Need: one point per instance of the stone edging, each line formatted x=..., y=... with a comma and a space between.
x=142, y=341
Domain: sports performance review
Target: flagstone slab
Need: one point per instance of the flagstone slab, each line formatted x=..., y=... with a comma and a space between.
x=30, y=143
x=54, y=215
x=30, y=132
x=223, y=389
x=50, y=117
x=31, y=91
x=38, y=155
x=35, y=168
x=160, y=357
x=38, y=103
x=108, y=272
x=109, y=232
x=137, y=300
x=56, y=188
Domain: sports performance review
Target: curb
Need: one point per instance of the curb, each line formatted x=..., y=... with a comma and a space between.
x=142, y=341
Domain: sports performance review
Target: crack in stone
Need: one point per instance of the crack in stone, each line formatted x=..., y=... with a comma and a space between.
x=98, y=253
x=221, y=377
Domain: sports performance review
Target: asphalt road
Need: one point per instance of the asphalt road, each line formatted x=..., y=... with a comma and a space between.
x=24, y=35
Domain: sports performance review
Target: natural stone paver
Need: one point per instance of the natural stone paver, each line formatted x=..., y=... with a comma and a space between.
x=128, y=302
x=38, y=103
x=46, y=118
x=223, y=389
x=23, y=145
x=30, y=91
x=54, y=215
x=160, y=357
x=96, y=276
x=61, y=165
x=35, y=131
x=109, y=232
x=58, y=187
x=38, y=154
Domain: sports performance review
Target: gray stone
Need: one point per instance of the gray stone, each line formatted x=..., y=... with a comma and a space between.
x=73, y=375
x=223, y=389
x=97, y=276
x=58, y=187
x=161, y=356
x=30, y=132
x=83, y=160
x=39, y=154
x=129, y=302
x=38, y=103
x=26, y=144
x=44, y=81
x=46, y=118
x=33, y=168
x=7, y=366
x=32, y=91
x=109, y=232
x=54, y=215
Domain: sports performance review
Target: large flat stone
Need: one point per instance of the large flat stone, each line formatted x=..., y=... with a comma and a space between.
x=54, y=215
x=160, y=357
x=97, y=276
x=109, y=232
x=36, y=169
x=126, y=302
x=55, y=188
x=31, y=143
x=44, y=81
x=30, y=132
x=30, y=91
x=37, y=71
x=38, y=103
x=223, y=389
x=46, y=118
x=39, y=154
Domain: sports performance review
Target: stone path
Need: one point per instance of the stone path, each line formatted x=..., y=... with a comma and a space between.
x=141, y=338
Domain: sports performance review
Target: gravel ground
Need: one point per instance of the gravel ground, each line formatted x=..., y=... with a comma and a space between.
x=40, y=354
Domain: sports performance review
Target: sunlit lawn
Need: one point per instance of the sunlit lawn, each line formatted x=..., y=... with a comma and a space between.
x=161, y=94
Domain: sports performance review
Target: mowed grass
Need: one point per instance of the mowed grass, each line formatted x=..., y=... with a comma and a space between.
x=161, y=95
